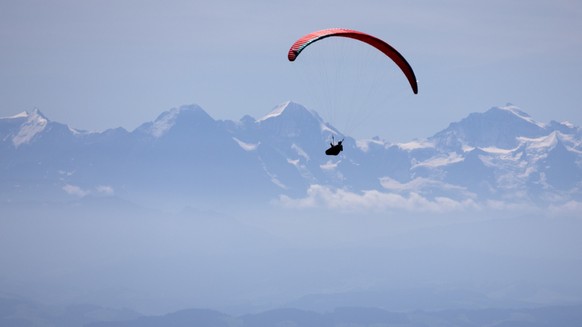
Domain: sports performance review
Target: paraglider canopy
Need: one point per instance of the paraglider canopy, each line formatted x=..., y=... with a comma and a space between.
x=384, y=47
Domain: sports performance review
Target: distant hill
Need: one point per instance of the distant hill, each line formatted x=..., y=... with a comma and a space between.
x=365, y=317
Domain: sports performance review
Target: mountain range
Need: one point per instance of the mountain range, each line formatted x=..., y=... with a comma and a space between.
x=33, y=314
x=499, y=158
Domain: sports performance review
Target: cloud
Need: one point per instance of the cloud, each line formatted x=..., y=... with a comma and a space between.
x=105, y=190
x=420, y=183
x=75, y=190
x=79, y=192
x=320, y=196
x=429, y=189
x=568, y=208
x=409, y=197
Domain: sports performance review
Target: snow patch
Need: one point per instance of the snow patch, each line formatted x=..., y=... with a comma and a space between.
x=364, y=145
x=275, y=112
x=23, y=114
x=246, y=146
x=439, y=161
x=568, y=124
x=494, y=150
x=326, y=129
x=545, y=142
x=35, y=124
x=76, y=131
x=277, y=182
x=273, y=177
x=416, y=145
x=293, y=162
x=164, y=123
x=467, y=148
x=300, y=151
x=517, y=111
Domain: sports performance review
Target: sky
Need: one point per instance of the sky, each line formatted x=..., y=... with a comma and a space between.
x=102, y=64
x=99, y=64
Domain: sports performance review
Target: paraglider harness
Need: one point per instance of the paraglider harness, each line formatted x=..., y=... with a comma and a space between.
x=334, y=150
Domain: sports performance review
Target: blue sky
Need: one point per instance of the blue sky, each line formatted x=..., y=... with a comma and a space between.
x=101, y=64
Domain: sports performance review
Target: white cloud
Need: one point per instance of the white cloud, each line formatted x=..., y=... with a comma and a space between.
x=568, y=208
x=518, y=204
x=75, y=190
x=329, y=165
x=105, y=189
x=405, y=197
x=417, y=184
x=373, y=200
x=424, y=186
x=79, y=192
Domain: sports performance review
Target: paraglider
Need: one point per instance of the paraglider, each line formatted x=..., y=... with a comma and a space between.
x=390, y=52
x=334, y=149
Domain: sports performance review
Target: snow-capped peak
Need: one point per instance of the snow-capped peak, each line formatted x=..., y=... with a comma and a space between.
x=167, y=119
x=277, y=111
x=521, y=114
x=497, y=127
x=35, y=123
x=25, y=114
x=164, y=122
x=287, y=107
